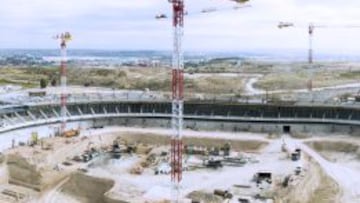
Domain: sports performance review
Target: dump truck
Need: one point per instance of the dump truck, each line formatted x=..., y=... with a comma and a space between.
x=116, y=151
x=263, y=176
x=71, y=133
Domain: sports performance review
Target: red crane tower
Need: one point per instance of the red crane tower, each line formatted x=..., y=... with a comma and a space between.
x=63, y=38
x=177, y=86
x=311, y=28
x=177, y=97
x=311, y=32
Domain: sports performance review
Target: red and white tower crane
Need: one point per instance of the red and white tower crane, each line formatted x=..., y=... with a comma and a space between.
x=64, y=38
x=177, y=87
x=311, y=29
x=311, y=32
x=177, y=97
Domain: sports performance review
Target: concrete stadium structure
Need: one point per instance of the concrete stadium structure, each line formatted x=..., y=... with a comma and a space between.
x=197, y=115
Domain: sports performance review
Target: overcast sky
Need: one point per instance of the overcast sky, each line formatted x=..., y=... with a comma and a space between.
x=130, y=24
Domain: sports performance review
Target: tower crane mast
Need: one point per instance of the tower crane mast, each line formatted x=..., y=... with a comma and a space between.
x=177, y=87
x=64, y=38
x=311, y=30
x=177, y=96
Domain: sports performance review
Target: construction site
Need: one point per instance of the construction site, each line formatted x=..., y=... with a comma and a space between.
x=117, y=150
x=217, y=131
x=131, y=164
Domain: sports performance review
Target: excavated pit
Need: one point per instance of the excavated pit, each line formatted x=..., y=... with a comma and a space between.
x=92, y=188
x=106, y=182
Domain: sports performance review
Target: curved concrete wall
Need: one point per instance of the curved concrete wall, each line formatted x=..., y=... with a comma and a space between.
x=198, y=116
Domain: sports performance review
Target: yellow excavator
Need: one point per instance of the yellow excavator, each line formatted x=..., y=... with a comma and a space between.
x=71, y=133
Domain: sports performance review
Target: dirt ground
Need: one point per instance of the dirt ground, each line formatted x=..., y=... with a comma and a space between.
x=116, y=183
x=41, y=167
x=154, y=188
x=297, y=75
x=339, y=158
x=316, y=187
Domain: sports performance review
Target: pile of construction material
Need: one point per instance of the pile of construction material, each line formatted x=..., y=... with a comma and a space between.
x=217, y=157
x=121, y=147
x=87, y=155
x=201, y=150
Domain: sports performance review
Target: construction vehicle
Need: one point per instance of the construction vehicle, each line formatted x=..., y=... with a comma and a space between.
x=263, y=176
x=223, y=193
x=213, y=163
x=131, y=148
x=244, y=199
x=298, y=170
x=222, y=151
x=298, y=151
x=86, y=157
x=71, y=133
x=77, y=158
x=34, y=138
x=226, y=149
x=294, y=156
x=116, y=151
